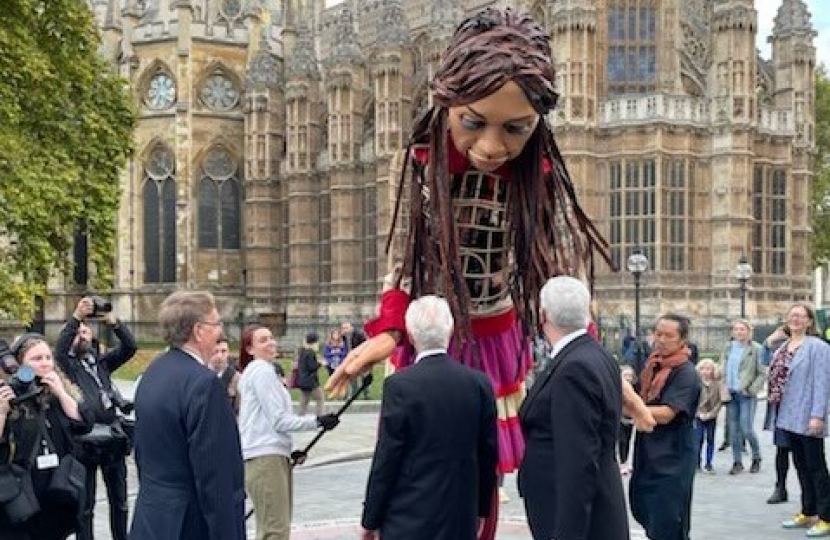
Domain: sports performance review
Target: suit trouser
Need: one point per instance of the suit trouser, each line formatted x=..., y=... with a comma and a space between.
x=115, y=480
x=269, y=484
x=811, y=466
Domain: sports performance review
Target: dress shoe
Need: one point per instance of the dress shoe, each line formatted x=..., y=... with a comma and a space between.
x=756, y=465
x=737, y=467
x=779, y=495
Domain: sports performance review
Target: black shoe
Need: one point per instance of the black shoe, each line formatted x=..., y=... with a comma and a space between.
x=737, y=467
x=779, y=495
x=756, y=466
x=723, y=447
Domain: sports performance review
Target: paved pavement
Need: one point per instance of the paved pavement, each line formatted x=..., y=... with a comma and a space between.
x=329, y=492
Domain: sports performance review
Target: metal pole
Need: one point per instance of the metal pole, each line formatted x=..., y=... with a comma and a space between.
x=637, y=320
x=743, y=299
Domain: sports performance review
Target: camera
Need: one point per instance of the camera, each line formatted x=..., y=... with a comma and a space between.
x=100, y=306
x=121, y=403
x=25, y=384
x=8, y=363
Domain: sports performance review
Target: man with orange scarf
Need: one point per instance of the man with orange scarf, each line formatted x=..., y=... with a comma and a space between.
x=665, y=459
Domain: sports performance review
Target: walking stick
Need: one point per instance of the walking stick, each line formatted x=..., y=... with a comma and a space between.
x=298, y=457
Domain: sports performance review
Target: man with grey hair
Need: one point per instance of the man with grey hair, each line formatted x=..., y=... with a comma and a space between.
x=434, y=469
x=185, y=426
x=569, y=478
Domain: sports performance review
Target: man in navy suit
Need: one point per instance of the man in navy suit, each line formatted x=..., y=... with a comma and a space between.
x=186, y=442
x=434, y=469
x=569, y=478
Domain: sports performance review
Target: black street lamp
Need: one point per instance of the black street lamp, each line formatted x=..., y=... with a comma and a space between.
x=637, y=264
x=743, y=272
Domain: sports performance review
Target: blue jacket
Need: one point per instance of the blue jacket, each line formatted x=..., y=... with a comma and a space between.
x=807, y=389
x=188, y=455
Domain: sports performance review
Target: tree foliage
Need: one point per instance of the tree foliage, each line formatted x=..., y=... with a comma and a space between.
x=66, y=124
x=821, y=163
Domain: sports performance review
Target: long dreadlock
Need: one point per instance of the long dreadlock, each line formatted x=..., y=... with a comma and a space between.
x=549, y=233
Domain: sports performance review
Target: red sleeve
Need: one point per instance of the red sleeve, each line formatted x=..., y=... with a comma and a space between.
x=593, y=331
x=393, y=304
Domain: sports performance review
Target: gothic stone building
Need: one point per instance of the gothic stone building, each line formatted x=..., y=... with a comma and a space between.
x=270, y=131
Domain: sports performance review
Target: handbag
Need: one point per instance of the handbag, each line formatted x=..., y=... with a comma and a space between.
x=68, y=481
x=24, y=503
x=17, y=493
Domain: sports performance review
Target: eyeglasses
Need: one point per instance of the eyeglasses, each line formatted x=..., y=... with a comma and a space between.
x=212, y=323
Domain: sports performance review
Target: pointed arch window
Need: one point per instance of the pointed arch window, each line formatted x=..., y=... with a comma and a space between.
x=159, y=213
x=219, y=201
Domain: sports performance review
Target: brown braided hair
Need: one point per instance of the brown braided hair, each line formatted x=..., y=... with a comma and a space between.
x=549, y=232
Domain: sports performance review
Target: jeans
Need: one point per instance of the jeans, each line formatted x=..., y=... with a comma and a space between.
x=115, y=479
x=705, y=430
x=741, y=411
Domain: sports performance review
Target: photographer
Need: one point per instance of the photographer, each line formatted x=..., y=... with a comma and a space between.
x=40, y=411
x=107, y=445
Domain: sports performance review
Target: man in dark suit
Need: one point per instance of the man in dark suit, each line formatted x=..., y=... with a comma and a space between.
x=434, y=469
x=185, y=428
x=569, y=478
x=91, y=371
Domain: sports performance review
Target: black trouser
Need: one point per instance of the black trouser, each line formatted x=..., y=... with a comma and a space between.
x=115, y=479
x=811, y=467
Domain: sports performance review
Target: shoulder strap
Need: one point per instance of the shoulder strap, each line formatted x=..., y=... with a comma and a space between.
x=43, y=436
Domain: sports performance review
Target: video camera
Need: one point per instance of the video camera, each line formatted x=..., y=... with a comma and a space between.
x=22, y=379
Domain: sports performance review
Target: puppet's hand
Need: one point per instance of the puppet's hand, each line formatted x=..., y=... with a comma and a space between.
x=360, y=360
x=636, y=409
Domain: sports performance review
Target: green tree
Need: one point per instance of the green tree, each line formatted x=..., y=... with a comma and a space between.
x=821, y=164
x=66, y=123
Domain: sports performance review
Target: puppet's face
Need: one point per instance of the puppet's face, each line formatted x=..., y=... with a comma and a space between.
x=493, y=130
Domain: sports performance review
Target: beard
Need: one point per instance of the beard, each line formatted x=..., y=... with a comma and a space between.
x=83, y=347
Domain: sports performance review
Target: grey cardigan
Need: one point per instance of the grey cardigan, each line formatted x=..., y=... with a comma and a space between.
x=807, y=389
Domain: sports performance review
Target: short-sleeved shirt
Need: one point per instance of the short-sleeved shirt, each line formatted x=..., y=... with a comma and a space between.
x=665, y=460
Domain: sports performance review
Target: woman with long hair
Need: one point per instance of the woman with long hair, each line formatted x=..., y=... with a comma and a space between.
x=40, y=412
x=799, y=383
x=266, y=421
x=491, y=215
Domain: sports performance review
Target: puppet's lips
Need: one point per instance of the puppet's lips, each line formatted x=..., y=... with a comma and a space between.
x=484, y=164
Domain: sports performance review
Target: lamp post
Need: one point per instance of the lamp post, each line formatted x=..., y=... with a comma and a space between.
x=637, y=264
x=743, y=272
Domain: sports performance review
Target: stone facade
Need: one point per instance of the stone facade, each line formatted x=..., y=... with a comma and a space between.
x=269, y=136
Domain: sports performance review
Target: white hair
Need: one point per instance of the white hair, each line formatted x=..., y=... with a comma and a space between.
x=429, y=323
x=566, y=303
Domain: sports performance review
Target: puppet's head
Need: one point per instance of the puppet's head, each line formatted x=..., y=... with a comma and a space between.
x=489, y=49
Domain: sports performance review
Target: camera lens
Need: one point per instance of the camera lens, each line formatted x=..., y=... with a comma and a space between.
x=25, y=374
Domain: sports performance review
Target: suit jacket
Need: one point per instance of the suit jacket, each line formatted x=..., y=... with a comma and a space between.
x=434, y=469
x=807, y=390
x=188, y=455
x=569, y=477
